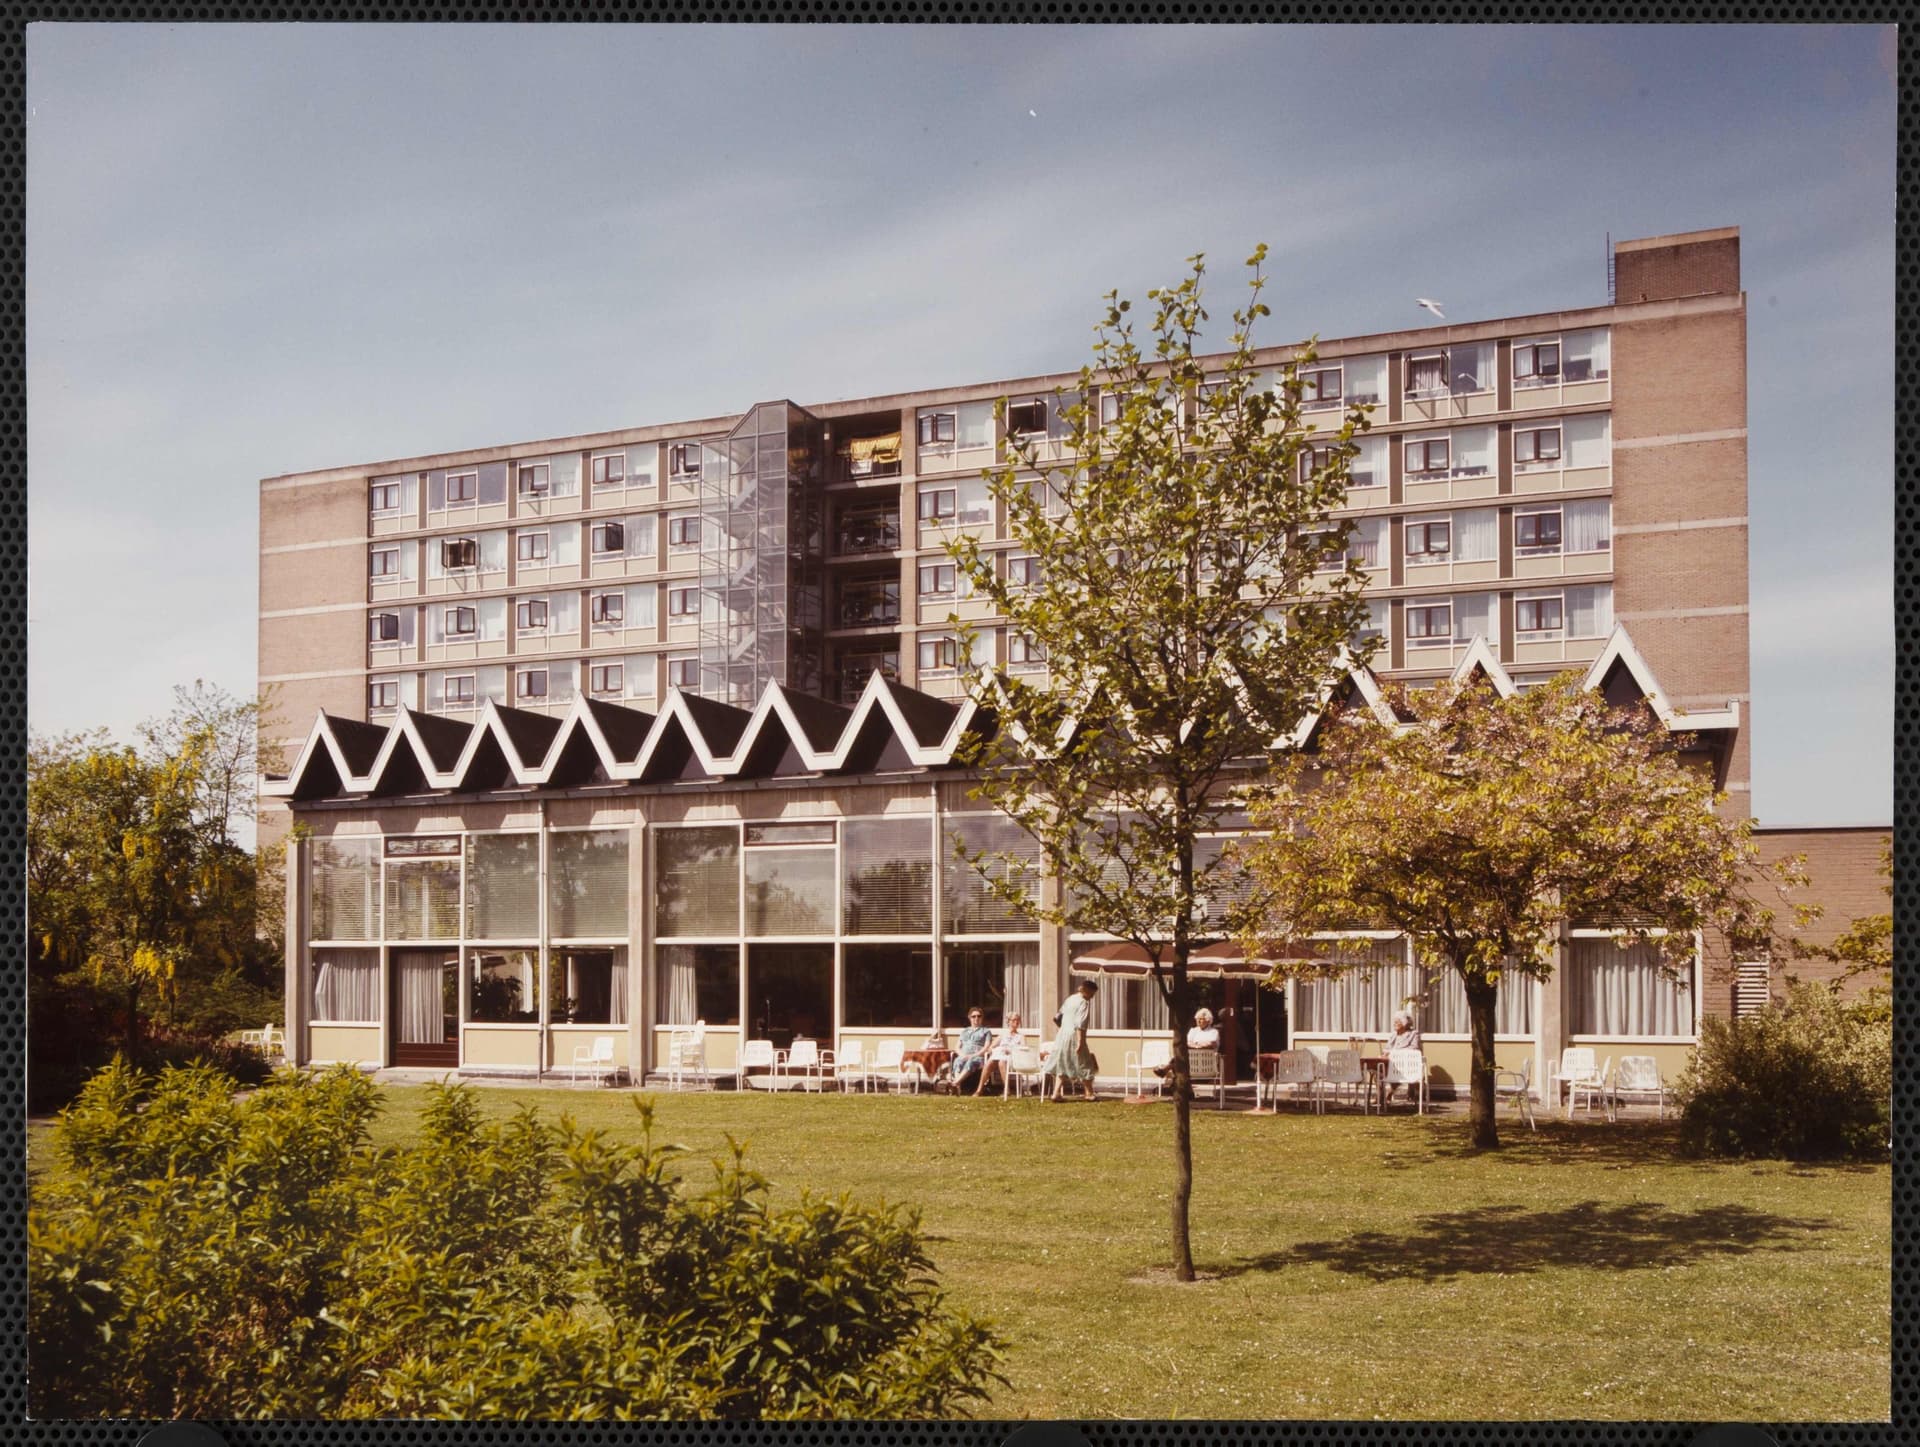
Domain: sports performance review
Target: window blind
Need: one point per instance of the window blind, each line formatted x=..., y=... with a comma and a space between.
x=697, y=882
x=423, y=899
x=790, y=891
x=587, y=884
x=967, y=905
x=503, y=886
x=889, y=876
x=344, y=890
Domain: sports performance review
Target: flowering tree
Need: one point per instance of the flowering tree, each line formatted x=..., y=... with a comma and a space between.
x=1188, y=594
x=1482, y=825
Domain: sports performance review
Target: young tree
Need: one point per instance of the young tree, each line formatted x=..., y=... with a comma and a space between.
x=1481, y=826
x=1190, y=594
x=1865, y=947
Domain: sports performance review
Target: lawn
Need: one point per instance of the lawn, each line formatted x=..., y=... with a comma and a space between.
x=1355, y=1267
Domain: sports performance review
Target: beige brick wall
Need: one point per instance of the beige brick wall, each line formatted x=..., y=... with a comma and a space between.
x=313, y=576
x=298, y=701
x=1687, y=267
x=309, y=642
x=1680, y=481
x=309, y=513
x=1843, y=873
x=1703, y=658
x=1695, y=568
x=1680, y=374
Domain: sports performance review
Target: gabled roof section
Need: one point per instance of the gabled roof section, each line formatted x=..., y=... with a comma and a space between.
x=358, y=744
x=439, y=741
x=1480, y=660
x=1620, y=668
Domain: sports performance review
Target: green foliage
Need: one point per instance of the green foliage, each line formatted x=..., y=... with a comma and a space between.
x=1476, y=824
x=1807, y=1078
x=211, y=1256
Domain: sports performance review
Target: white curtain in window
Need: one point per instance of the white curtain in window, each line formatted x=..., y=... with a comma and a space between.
x=346, y=985
x=1366, y=381
x=642, y=537
x=563, y=612
x=1368, y=466
x=1368, y=542
x=1587, y=440
x=1426, y=374
x=1445, y=1008
x=617, y=1012
x=1476, y=535
x=492, y=619
x=1109, y=1010
x=1589, y=525
x=639, y=676
x=1475, y=615
x=681, y=1003
x=973, y=502
x=1586, y=354
x=564, y=479
x=564, y=544
x=422, y=1013
x=493, y=552
x=491, y=683
x=1361, y=998
x=973, y=424
x=1023, y=981
x=1473, y=451
x=1590, y=611
x=1620, y=991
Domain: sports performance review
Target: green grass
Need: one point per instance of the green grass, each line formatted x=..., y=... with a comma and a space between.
x=1353, y=1267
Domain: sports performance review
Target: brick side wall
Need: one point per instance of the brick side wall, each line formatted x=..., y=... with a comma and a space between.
x=312, y=514
x=1843, y=870
x=1664, y=273
x=1680, y=374
x=1683, y=480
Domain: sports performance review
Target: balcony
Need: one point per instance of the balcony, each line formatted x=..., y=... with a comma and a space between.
x=860, y=459
x=867, y=532
x=868, y=605
x=855, y=669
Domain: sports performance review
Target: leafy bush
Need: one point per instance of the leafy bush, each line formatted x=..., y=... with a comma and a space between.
x=1808, y=1078
x=210, y=1256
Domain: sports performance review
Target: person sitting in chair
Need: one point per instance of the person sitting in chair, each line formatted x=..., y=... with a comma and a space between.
x=1203, y=1036
x=971, y=1056
x=1003, y=1047
x=1406, y=1036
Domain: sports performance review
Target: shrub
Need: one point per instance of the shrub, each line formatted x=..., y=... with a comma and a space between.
x=213, y=1256
x=1807, y=1078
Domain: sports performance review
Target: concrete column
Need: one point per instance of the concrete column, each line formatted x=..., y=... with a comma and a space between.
x=1054, y=954
x=639, y=955
x=299, y=853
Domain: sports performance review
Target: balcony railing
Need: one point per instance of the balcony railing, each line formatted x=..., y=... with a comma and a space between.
x=869, y=608
x=878, y=533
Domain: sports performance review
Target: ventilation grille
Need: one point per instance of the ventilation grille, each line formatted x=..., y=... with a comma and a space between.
x=1752, y=988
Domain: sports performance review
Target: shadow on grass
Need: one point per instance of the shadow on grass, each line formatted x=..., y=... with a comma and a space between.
x=1511, y=1240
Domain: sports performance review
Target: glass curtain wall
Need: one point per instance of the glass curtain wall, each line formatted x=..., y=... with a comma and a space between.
x=762, y=556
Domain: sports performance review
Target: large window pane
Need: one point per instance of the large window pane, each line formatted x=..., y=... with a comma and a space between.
x=790, y=891
x=505, y=985
x=587, y=884
x=344, y=890
x=889, y=985
x=1444, y=1009
x=1360, y=999
x=698, y=982
x=1129, y=1005
x=587, y=987
x=697, y=881
x=997, y=979
x=346, y=985
x=423, y=899
x=889, y=887
x=503, y=886
x=968, y=906
x=1620, y=990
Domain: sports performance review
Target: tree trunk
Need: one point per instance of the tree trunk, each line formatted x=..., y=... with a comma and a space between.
x=1178, y=1076
x=1481, y=995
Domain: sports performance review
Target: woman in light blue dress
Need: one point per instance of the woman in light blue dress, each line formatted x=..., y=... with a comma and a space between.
x=1071, y=1059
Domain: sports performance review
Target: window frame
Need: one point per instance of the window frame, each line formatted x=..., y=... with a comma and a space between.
x=525, y=552
x=376, y=508
x=524, y=676
x=1313, y=394
x=533, y=479
x=945, y=653
x=377, y=634
x=1442, y=638
x=680, y=662
x=600, y=469
x=379, y=574
x=930, y=436
x=469, y=489
x=1025, y=570
x=523, y=612
x=1426, y=446
x=1540, y=460
x=1425, y=394
x=677, y=597
x=383, y=693
x=1427, y=550
x=679, y=454
x=607, y=538
x=1026, y=404
x=470, y=694
x=605, y=678
x=450, y=619
x=1023, y=650
x=677, y=527
x=1540, y=547
x=459, y=547
x=951, y=582
x=1558, y=628
x=599, y=616
x=936, y=515
x=1534, y=375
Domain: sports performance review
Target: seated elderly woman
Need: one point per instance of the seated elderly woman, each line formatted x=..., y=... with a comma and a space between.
x=1004, y=1043
x=1203, y=1036
x=970, y=1056
x=1406, y=1036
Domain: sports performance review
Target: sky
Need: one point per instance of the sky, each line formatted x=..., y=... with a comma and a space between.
x=259, y=249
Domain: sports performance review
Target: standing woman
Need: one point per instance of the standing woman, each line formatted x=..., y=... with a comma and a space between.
x=1071, y=1060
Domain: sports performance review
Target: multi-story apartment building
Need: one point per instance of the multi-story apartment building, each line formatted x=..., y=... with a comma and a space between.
x=610, y=697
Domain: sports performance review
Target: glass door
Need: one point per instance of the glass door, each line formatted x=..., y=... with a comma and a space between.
x=425, y=1008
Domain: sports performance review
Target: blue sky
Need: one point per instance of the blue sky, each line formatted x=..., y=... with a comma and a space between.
x=264, y=249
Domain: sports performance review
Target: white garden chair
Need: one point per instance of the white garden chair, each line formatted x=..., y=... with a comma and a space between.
x=1408, y=1068
x=1206, y=1067
x=687, y=1058
x=1594, y=1087
x=1142, y=1063
x=1576, y=1064
x=1517, y=1086
x=890, y=1064
x=1294, y=1070
x=802, y=1066
x=758, y=1055
x=1023, y=1064
x=593, y=1061
x=1342, y=1070
x=850, y=1065
x=1637, y=1075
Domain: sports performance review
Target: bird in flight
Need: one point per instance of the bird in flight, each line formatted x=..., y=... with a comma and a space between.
x=1432, y=306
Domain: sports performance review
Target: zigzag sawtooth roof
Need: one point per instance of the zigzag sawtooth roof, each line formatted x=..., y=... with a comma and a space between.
x=341, y=756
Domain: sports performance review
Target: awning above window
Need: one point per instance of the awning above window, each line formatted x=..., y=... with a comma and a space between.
x=874, y=449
